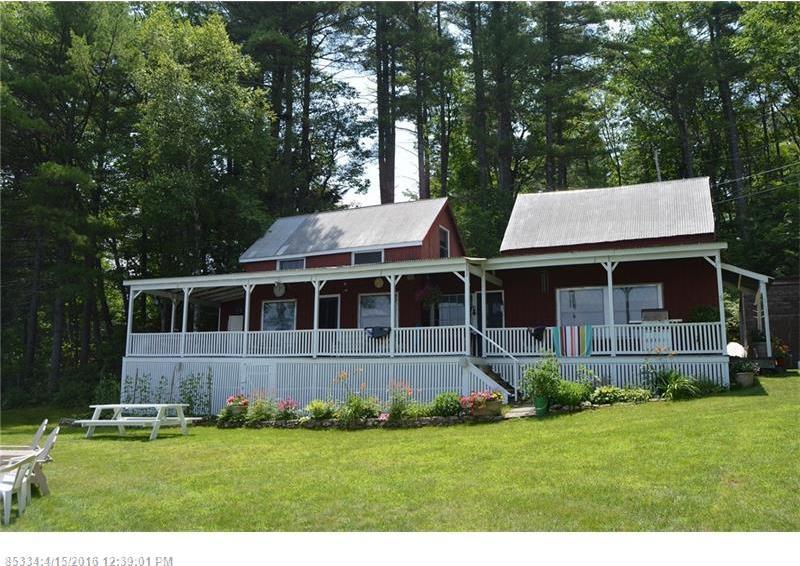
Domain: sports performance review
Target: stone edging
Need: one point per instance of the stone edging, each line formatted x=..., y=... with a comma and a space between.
x=363, y=424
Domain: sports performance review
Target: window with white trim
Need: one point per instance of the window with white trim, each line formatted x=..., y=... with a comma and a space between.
x=444, y=242
x=448, y=311
x=284, y=264
x=587, y=305
x=374, y=256
x=279, y=315
x=374, y=309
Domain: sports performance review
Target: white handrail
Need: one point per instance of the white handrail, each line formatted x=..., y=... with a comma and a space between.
x=517, y=364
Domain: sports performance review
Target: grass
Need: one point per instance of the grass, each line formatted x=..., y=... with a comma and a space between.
x=728, y=462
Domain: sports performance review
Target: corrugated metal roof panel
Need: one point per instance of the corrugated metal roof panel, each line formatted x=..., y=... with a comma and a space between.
x=347, y=229
x=588, y=216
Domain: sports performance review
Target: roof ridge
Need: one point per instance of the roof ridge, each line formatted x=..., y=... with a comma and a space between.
x=618, y=187
x=349, y=209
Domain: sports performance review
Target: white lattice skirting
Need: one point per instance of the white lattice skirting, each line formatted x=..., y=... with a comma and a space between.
x=303, y=380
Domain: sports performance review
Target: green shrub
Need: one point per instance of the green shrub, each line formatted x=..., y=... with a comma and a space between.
x=571, y=393
x=637, y=395
x=287, y=409
x=400, y=399
x=542, y=379
x=358, y=408
x=419, y=410
x=446, y=404
x=673, y=385
x=607, y=395
x=228, y=415
x=320, y=410
x=261, y=410
x=107, y=391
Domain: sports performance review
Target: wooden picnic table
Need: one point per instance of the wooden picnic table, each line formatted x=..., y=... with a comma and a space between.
x=121, y=421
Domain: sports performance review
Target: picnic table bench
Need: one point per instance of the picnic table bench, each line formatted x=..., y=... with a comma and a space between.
x=121, y=421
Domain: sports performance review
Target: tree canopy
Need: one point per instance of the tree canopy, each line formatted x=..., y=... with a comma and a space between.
x=146, y=140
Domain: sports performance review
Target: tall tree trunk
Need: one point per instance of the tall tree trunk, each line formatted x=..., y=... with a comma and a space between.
x=88, y=310
x=32, y=319
x=715, y=31
x=421, y=113
x=444, y=128
x=54, y=377
x=684, y=139
x=479, y=114
x=503, y=97
x=551, y=40
x=305, y=126
x=385, y=111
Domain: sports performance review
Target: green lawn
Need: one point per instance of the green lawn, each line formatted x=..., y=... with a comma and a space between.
x=730, y=462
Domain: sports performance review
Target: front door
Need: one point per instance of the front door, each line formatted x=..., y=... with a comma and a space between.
x=329, y=311
x=494, y=310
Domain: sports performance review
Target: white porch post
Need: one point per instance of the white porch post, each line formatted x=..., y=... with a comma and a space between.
x=392, y=312
x=318, y=285
x=467, y=312
x=762, y=287
x=133, y=294
x=248, y=289
x=612, y=328
x=172, y=315
x=721, y=299
x=185, y=320
x=483, y=310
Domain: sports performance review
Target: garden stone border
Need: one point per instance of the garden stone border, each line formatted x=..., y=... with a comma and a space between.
x=312, y=424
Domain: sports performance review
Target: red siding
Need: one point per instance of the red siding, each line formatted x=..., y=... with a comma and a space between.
x=530, y=294
x=409, y=289
x=430, y=245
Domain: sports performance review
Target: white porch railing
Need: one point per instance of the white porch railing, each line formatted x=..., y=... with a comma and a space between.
x=155, y=344
x=637, y=339
x=280, y=343
x=351, y=342
x=437, y=340
x=214, y=343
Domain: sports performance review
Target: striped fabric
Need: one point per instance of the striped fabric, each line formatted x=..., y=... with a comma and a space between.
x=572, y=341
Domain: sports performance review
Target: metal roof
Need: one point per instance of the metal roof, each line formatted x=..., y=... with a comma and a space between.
x=589, y=216
x=381, y=226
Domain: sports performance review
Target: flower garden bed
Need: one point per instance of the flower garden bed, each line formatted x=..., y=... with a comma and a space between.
x=315, y=424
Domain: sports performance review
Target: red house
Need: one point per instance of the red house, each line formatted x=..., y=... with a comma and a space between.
x=611, y=280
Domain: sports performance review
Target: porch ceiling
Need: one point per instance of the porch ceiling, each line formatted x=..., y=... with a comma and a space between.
x=215, y=289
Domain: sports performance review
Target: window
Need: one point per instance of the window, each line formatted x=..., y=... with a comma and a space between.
x=587, y=305
x=375, y=256
x=278, y=315
x=629, y=302
x=444, y=242
x=449, y=311
x=284, y=264
x=373, y=310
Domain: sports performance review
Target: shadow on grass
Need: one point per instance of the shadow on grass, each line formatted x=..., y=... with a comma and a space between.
x=756, y=389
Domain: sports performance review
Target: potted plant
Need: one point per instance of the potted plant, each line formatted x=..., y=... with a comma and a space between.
x=540, y=384
x=780, y=352
x=744, y=371
x=237, y=404
x=482, y=403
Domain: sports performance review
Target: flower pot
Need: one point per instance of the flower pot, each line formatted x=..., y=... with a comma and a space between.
x=491, y=408
x=781, y=363
x=745, y=378
x=540, y=404
x=237, y=410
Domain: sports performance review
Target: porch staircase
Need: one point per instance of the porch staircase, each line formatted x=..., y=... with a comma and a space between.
x=486, y=368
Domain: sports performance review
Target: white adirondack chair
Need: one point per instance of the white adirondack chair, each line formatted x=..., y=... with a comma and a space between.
x=38, y=436
x=16, y=479
x=39, y=479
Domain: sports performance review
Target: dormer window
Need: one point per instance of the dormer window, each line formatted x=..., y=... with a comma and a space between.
x=373, y=256
x=444, y=242
x=298, y=263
